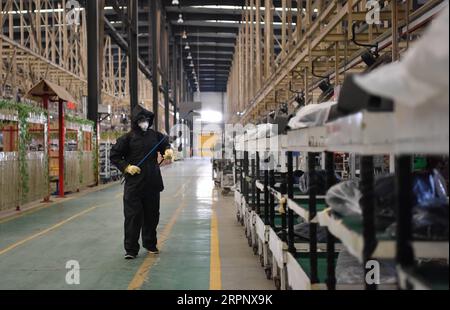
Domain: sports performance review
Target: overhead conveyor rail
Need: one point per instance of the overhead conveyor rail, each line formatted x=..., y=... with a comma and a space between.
x=257, y=81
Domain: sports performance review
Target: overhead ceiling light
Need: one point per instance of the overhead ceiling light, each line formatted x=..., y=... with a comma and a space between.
x=180, y=19
x=187, y=47
x=192, y=64
x=175, y=2
x=189, y=56
x=184, y=35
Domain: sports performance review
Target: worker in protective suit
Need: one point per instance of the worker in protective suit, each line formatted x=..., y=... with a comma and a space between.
x=143, y=183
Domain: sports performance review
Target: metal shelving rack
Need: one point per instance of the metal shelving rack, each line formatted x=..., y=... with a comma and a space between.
x=108, y=172
x=293, y=71
x=412, y=276
x=364, y=245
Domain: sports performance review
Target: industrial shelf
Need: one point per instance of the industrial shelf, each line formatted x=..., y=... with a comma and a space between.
x=261, y=228
x=419, y=130
x=277, y=221
x=240, y=144
x=278, y=248
x=301, y=207
x=371, y=133
x=405, y=131
x=350, y=231
x=365, y=133
x=311, y=140
x=252, y=145
x=429, y=146
x=321, y=247
x=275, y=143
x=299, y=271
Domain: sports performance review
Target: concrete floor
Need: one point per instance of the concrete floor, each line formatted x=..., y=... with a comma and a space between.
x=203, y=247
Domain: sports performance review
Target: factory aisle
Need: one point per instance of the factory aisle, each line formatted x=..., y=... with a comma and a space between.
x=201, y=243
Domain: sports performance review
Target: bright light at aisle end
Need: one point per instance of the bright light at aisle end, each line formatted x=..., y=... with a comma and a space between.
x=211, y=117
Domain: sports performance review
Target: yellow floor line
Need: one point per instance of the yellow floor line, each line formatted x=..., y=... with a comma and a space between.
x=181, y=190
x=143, y=273
x=215, y=278
x=144, y=270
x=43, y=232
x=184, y=187
x=58, y=225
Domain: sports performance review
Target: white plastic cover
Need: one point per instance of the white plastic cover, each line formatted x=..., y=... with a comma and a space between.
x=422, y=76
x=251, y=134
x=344, y=198
x=312, y=115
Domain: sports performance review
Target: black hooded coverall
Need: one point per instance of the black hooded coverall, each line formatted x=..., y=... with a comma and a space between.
x=142, y=191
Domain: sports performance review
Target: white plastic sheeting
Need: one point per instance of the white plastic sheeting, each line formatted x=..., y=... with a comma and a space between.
x=422, y=76
x=312, y=115
x=344, y=198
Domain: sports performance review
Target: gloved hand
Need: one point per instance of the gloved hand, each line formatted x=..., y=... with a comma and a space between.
x=133, y=170
x=168, y=155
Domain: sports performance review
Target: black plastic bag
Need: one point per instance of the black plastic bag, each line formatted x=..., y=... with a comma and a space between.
x=321, y=182
x=430, y=204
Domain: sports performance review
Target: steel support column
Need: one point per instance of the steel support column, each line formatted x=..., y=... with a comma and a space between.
x=133, y=51
x=62, y=135
x=93, y=58
x=45, y=103
x=94, y=49
x=155, y=57
x=175, y=82
x=166, y=107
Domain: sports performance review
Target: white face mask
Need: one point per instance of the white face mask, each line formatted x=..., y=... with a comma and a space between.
x=144, y=125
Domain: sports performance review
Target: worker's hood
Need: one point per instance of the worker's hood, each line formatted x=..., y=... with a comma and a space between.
x=139, y=114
